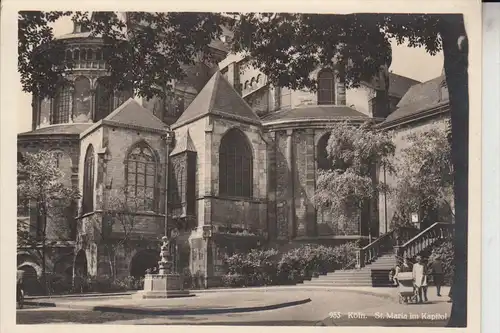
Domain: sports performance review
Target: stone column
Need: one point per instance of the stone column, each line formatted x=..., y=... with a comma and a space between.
x=310, y=182
x=92, y=105
x=71, y=106
x=290, y=193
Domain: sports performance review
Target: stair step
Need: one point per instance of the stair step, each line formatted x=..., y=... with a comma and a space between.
x=351, y=284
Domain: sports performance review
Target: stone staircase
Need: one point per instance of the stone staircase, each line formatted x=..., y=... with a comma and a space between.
x=376, y=275
x=375, y=260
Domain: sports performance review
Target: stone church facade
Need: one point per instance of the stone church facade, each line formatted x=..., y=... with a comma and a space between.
x=241, y=169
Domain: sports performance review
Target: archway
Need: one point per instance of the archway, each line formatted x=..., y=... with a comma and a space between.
x=30, y=279
x=80, y=270
x=142, y=261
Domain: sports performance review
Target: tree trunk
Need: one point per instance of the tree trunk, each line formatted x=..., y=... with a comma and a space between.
x=44, y=252
x=455, y=49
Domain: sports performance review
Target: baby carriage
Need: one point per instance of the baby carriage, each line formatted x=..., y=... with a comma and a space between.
x=407, y=292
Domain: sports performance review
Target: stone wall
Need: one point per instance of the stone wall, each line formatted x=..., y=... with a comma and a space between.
x=386, y=202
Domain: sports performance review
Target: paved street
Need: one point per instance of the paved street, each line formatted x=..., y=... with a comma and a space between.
x=330, y=307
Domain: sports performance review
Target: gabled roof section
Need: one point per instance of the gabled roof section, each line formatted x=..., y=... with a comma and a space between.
x=218, y=98
x=132, y=113
x=398, y=84
x=420, y=98
x=183, y=143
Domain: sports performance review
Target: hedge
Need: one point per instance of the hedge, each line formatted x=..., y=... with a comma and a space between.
x=268, y=267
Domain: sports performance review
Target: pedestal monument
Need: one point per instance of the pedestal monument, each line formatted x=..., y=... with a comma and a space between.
x=165, y=284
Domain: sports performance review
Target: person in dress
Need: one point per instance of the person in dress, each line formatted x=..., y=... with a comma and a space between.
x=401, y=268
x=419, y=278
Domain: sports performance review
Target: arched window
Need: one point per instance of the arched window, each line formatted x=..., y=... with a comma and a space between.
x=259, y=78
x=140, y=170
x=60, y=111
x=103, y=99
x=326, y=88
x=90, y=54
x=246, y=84
x=88, y=181
x=81, y=98
x=252, y=82
x=76, y=54
x=69, y=55
x=98, y=55
x=324, y=162
x=83, y=55
x=235, y=165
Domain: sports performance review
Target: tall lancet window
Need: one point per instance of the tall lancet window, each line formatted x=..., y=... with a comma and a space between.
x=61, y=108
x=141, y=174
x=235, y=165
x=103, y=99
x=326, y=87
x=88, y=181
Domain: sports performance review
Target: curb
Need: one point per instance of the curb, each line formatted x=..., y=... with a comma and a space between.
x=125, y=293
x=136, y=310
x=384, y=294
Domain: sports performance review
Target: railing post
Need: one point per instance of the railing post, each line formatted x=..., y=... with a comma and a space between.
x=360, y=258
x=397, y=251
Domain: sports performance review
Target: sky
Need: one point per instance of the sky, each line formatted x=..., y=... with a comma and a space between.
x=414, y=63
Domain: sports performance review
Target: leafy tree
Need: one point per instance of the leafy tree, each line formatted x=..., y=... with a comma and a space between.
x=425, y=175
x=285, y=47
x=42, y=185
x=350, y=184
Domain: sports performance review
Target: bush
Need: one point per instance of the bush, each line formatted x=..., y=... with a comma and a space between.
x=267, y=267
x=58, y=283
x=257, y=268
x=193, y=281
x=446, y=251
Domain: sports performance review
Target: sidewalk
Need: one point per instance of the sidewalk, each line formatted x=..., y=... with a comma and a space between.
x=208, y=303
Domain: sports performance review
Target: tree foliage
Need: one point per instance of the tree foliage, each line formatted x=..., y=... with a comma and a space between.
x=144, y=51
x=42, y=184
x=425, y=175
x=354, y=152
x=287, y=47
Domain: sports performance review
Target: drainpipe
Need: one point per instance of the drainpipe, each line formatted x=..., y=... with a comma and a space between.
x=385, y=203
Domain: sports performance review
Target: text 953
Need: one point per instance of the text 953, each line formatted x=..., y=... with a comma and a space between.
x=334, y=315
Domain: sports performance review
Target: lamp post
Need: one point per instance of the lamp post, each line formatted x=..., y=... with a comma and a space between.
x=164, y=263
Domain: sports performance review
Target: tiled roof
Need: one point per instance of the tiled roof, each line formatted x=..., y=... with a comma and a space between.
x=419, y=98
x=314, y=112
x=399, y=85
x=218, y=97
x=132, y=113
x=61, y=129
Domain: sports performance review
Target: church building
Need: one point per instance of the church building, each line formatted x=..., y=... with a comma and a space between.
x=232, y=159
